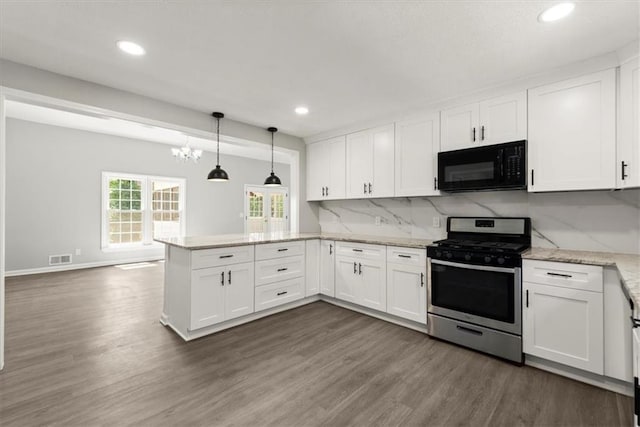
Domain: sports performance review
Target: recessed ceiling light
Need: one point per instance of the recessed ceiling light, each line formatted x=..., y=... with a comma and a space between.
x=302, y=111
x=556, y=12
x=131, y=48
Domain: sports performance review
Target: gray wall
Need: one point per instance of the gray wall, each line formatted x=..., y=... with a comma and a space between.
x=583, y=220
x=30, y=79
x=54, y=190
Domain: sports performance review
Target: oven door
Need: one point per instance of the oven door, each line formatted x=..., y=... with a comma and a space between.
x=483, y=295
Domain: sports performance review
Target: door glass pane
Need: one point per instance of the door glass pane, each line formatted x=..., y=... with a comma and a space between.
x=124, y=206
x=256, y=218
x=278, y=220
x=488, y=294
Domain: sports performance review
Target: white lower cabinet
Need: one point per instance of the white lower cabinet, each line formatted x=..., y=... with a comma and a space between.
x=328, y=267
x=561, y=322
x=361, y=276
x=221, y=293
x=407, y=292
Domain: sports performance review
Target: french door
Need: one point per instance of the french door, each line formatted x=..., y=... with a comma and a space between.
x=266, y=209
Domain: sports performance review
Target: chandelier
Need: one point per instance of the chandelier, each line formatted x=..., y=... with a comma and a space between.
x=186, y=153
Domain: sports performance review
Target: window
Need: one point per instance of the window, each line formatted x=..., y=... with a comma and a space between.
x=266, y=209
x=138, y=208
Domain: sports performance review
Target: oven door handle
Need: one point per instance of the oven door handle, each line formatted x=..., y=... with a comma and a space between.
x=474, y=267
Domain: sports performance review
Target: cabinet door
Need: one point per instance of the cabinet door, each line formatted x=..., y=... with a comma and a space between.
x=629, y=136
x=327, y=267
x=383, y=161
x=373, y=284
x=335, y=159
x=347, y=279
x=417, y=144
x=359, y=164
x=207, y=297
x=503, y=119
x=312, y=267
x=459, y=127
x=572, y=134
x=407, y=291
x=315, y=170
x=564, y=325
x=239, y=290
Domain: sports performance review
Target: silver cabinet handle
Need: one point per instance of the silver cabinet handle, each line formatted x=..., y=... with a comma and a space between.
x=482, y=133
x=283, y=249
x=322, y=191
x=365, y=187
x=624, y=167
x=355, y=268
x=226, y=256
x=229, y=276
x=359, y=268
x=421, y=280
x=327, y=192
x=281, y=293
x=369, y=188
x=222, y=279
x=330, y=249
x=474, y=134
x=404, y=256
x=282, y=269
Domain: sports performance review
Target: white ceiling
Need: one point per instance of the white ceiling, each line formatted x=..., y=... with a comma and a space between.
x=347, y=61
x=130, y=129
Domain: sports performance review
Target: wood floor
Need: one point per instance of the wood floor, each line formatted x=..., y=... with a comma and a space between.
x=85, y=348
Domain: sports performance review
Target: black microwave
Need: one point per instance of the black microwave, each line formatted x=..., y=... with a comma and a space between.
x=490, y=167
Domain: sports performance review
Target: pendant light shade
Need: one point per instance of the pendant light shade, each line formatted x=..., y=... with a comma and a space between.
x=272, y=180
x=218, y=174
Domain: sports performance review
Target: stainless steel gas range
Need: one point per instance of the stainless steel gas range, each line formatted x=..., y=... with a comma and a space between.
x=475, y=284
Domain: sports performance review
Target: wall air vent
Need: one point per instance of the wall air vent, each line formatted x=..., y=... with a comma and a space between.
x=59, y=259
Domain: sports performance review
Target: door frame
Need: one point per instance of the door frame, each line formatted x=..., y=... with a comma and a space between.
x=266, y=204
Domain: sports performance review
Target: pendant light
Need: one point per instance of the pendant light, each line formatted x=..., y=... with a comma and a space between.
x=272, y=180
x=218, y=174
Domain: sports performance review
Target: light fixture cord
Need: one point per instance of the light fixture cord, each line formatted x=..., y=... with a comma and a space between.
x=272, y=151
x=218, y=153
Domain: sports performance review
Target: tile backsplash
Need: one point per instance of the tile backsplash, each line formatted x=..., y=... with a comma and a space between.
x=590, y=220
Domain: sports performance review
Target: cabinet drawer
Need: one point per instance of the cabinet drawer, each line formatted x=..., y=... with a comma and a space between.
x=205, y=258
x=407, y=256
x=361, y=250
x=279, y=250
x=279, y=269
x=574, y=276
x=275, y=294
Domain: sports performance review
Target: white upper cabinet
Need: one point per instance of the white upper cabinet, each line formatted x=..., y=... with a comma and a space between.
x=417, y=144
x=326, y=169
x=370, y=164
x=459, y=127
x=504, y=119
x=628, y=166
x=501, y=119
x=572, y=134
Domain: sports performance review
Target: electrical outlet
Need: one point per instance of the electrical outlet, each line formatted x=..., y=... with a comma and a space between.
x=436, y=221
x=378, y=220
x=78, y=251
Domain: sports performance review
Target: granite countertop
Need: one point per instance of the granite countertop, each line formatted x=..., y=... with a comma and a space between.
x=226, y=240
x=628, y=265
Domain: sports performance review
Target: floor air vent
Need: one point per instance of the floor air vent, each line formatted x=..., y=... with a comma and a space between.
x=59, y=259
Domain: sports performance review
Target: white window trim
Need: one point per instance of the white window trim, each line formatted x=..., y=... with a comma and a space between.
x=267, y=203
x=148, y=243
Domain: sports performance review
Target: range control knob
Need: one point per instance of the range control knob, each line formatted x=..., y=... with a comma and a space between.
x=500, y=260
x=449, y=255
x=487, y=259
x=438, y=254
x=467, y=257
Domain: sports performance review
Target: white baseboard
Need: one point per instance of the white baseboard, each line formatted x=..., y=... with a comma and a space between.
x=611, y=384
x=66, y=267
x=375, y=313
